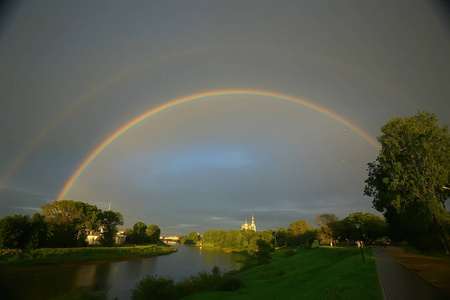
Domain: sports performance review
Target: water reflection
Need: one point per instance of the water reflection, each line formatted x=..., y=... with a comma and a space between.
x=117, y=278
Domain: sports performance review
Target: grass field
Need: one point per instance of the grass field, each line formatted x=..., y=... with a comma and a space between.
x=64, y=255
x=324, y=273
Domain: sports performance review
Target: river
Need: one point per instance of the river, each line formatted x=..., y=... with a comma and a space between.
x=117, y=278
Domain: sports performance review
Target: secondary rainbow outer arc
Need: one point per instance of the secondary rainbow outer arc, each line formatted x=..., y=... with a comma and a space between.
x=199, y=96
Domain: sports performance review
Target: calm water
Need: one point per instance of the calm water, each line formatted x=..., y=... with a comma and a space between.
x=117, y=278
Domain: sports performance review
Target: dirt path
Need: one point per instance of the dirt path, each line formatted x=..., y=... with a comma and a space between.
x=434, y=270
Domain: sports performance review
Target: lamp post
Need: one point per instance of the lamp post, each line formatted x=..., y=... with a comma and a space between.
x=358, y=225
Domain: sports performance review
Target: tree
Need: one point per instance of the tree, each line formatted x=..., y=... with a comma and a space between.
x=153, y=233
x=69, y=221
x=309, y=238
x=323, y=221
x=13, y=232
x=38, y=232
x=298, y=227
x=408, y=180
x=137, y=235
x=20, y=232
x=110, y=221
x=295, y=230
x=263, y=254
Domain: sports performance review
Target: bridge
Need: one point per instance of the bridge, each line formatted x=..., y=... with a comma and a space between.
x=170, y=238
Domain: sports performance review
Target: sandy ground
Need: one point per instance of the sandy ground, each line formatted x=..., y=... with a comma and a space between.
x=434, y=270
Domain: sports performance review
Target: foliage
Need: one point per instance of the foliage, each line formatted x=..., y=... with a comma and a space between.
x=295, y=232
x=236, y=239
x=309, y=238
x=408, y=179
x=263, y=254
x=290, y=252
x=59, y=255
x=154, y=287
x=68, y=222
x=372, y=227
x=325, y=233
x=191, y=238
x=153, y=233
x=298, y=227
x=110, y=221
x=137, y=235
x=20, y=232
x=160, y=287
x=280, y=237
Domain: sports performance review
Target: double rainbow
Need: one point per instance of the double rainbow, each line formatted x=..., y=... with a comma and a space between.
x=210, y=94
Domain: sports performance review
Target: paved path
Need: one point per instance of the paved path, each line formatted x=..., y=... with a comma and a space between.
x=398, y=283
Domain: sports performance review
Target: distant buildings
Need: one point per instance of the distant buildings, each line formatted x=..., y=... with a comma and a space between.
x=119, y=239
x=246, y=226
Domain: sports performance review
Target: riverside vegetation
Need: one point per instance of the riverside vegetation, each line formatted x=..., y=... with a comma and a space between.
x=60, y=255
x=322, y=273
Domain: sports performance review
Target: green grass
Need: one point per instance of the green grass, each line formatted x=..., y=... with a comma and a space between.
x=324, y=273
x=64, y=255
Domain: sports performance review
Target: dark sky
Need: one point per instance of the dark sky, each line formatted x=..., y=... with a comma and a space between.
x=73, y=73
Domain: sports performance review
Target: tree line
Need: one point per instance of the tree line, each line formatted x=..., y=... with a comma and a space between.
x=67, y=223
x=299, y=233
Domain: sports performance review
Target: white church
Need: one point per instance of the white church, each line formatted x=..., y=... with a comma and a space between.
x=246, y=226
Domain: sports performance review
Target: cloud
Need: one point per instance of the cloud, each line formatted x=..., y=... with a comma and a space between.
x=183, y=225
x=38, y=209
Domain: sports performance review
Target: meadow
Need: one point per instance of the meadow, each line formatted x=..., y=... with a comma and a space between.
x=67, y=255
x=323, y=273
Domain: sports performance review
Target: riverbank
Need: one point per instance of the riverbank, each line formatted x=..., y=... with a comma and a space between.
x=46, y=256
x=324, y=273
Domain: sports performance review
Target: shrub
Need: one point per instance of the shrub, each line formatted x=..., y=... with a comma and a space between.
x=154, y=287
x=315, y=244
x=290, y=252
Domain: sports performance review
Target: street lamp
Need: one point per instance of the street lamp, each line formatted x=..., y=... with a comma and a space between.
x=358, y=225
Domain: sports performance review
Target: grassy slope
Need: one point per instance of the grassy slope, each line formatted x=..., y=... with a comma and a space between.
x=60, y=255
x=324, y=273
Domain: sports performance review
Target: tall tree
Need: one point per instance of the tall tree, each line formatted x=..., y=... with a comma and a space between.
x=110, y=221
x=23, y=232
x=153, y=233
x=323, y=221
x=138, y=234
x=69, y=220
x=13, y=231
x=298, y=227
x=295, y=231
x=409, y=179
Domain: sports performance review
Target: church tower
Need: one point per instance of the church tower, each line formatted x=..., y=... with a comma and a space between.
x=246, y=226
x=253, y=226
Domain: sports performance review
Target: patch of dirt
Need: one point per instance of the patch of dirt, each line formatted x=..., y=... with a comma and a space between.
x=434, y=270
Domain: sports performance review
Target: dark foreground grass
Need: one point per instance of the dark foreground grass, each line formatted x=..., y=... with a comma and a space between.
x=324, y=273
x=68, y=255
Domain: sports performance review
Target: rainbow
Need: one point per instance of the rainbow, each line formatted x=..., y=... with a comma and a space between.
x=199, y=96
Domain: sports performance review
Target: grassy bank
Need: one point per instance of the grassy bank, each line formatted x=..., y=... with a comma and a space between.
x=67, y=255
x=324, y=273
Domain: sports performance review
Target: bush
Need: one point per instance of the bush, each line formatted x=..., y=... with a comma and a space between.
x=315, y=244
x=154, y=287
x=312, y=243
x=290, y=252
